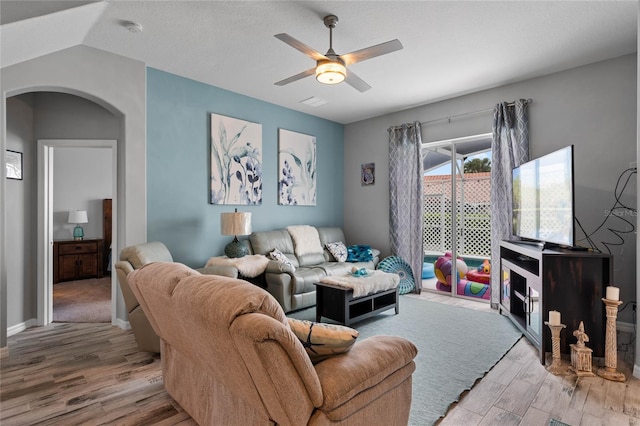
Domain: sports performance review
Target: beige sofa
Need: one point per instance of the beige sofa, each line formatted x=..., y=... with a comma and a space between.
x=135, y=257
x=295, y=289
x=229, y=358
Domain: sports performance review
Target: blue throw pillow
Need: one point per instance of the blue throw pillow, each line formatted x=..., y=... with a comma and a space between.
x=359, y=253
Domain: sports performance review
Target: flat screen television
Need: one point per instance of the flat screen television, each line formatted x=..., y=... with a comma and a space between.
x=543, y=199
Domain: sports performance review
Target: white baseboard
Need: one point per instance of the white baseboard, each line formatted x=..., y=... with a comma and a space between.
x=15, y=329
x=121, y=324
x=636, y=371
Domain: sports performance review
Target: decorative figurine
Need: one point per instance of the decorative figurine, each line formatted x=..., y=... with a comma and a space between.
x=581, y=355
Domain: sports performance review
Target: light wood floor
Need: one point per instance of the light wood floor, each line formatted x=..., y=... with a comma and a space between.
x=520, y=391
x=93, y=374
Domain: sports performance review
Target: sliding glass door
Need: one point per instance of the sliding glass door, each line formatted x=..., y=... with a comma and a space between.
x=457, y=216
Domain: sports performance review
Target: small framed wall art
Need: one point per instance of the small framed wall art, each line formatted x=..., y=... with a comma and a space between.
x=13, y=160
x=368, y=174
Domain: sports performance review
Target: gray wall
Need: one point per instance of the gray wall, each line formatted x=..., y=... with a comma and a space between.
x=592, y=107
x=82, y=177
x=118, y=85
x=20, y=213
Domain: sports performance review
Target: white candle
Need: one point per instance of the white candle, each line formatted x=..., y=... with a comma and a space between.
x=554, y=317
x=613, y=293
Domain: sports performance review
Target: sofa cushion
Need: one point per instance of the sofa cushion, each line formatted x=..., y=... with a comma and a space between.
x=330, y=234
x=323, y=340
x=311, y=259
x=338, y=250
x=305, y=278
x=265, y=241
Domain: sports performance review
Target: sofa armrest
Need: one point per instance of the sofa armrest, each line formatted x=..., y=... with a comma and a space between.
x=371, y=368
x=223, y=270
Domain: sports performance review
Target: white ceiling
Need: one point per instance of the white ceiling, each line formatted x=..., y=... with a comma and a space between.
x=450, y=47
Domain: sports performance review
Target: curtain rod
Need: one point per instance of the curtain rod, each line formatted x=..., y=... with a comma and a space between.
x=468, y=113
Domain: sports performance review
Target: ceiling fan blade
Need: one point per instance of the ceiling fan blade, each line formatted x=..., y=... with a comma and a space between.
x=296, y=44
x=371, y=52
x=356, y=82
x=303, y=74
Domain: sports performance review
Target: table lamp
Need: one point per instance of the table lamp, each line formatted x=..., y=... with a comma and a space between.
x=236, y=223
x=78, y=217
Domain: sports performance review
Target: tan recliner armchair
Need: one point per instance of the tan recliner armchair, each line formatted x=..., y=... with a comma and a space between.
x=229, y=357
x=135, y=257
x=131, y=258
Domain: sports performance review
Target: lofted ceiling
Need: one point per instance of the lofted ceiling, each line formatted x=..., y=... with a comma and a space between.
x=451, y=48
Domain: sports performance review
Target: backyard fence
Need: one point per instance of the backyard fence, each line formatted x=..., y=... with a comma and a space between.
x=472, y=214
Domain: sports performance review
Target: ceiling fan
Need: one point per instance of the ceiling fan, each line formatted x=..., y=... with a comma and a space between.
x=331, y=68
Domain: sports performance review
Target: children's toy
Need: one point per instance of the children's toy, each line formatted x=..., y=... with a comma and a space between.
x=468, y=288
x=485, y=267
x=427, y=270
x=443, y=267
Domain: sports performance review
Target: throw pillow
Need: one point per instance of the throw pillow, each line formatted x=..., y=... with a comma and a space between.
x=323, y=340
x=305, y=239
x=359, y=253
x=281, y=258
x=338, y=250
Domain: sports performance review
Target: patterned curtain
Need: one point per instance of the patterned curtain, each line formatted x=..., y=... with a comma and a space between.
x=509, y=149
x=405, y=197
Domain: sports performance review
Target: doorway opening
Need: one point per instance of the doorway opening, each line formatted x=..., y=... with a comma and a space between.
x=457, y=219
x=59, y=255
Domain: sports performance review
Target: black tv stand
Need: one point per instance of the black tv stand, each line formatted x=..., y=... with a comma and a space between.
x=539, y=244
x=537, y=280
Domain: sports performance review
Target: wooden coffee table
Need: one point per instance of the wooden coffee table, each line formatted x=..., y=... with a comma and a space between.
x=337, y=303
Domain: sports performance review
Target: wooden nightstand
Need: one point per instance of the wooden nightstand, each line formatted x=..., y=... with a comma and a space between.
x=77, y=260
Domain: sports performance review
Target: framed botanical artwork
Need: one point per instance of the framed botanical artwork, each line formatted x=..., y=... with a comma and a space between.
x=368, y=174
x=296, y=169
x=236, y=161
x=13, y=159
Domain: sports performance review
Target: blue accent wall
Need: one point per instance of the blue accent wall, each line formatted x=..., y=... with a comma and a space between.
x=178, y=166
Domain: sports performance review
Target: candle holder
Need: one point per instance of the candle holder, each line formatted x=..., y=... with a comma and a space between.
x=556, y=366
x=610, y=369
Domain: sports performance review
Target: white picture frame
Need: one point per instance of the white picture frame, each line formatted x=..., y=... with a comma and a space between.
x=13, y=161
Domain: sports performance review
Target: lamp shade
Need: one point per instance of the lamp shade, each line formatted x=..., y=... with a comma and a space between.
x=236, y=223
x=78, y=216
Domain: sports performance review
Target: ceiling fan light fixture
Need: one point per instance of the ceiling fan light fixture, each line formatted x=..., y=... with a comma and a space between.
x=331, y=72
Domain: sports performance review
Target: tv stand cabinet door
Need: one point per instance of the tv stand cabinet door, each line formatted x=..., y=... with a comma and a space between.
x=574, y=285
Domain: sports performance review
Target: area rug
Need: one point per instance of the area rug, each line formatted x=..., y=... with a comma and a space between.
x=456, y=347
x=82, y=301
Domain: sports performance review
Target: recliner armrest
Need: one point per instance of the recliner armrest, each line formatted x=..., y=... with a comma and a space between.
x=369, y=369
x=223, y=270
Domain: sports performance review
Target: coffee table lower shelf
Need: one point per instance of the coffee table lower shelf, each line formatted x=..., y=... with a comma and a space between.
x=337, y=303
